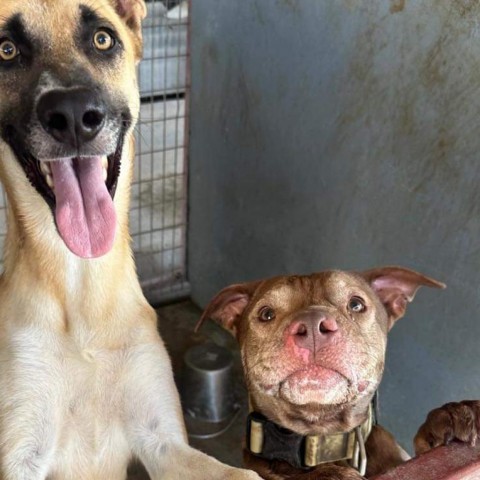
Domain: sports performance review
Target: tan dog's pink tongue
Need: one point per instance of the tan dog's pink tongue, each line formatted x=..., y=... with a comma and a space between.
x=85, y=214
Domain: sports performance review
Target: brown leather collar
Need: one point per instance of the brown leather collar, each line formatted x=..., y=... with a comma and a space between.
x=270, y=441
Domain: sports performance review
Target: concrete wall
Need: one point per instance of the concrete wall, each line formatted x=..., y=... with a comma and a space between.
x=342, y=133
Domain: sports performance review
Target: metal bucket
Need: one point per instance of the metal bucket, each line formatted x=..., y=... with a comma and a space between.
x=206, y=384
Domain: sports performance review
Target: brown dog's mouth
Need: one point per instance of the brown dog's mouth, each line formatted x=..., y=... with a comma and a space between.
x=315, y=384
x=315, y=376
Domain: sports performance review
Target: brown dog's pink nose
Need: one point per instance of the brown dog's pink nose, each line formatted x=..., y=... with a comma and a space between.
x=313, y=331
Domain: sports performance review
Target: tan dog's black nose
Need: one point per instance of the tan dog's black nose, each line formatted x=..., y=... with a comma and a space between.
x=313, y=330
x=72, y=117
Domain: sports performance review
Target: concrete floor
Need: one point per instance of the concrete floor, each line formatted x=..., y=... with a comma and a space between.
x=176, y=324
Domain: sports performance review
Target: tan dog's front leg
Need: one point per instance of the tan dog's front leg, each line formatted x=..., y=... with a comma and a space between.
x=30, y=406
x=29, y=458
x=454, y=421
x=155, y=426
x=27, y=451
x=183, y=461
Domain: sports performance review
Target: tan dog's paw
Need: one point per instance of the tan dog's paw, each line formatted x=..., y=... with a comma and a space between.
x=240, y=474
x=454, y=421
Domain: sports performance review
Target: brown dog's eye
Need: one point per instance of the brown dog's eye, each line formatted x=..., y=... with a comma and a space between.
x=266, y=314
x=356, y=305
x=103, y=40
x=8, y=50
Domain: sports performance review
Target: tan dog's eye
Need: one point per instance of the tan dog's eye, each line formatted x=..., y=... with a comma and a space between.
x=103, y=40
x=8, y=50
x=356, y=305
x=266, y=314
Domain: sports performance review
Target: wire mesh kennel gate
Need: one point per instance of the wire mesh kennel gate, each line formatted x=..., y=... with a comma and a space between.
x=159, y=192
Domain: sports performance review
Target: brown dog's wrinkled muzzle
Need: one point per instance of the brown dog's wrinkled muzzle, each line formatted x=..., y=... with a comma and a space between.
x=317, y=347
x=322, y=358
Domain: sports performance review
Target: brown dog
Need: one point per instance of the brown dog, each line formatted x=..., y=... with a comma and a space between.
x=86, y=384
x=313, y=350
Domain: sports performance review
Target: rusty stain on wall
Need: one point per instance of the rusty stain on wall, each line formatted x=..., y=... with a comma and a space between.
x=238, y=80
x=361, y=76
x=465, y=8
x=293, y=5
x=397, y=6
x=406, y=118
x=212, y=52
x=258, y=13
x=435, y=69
x=423, y=130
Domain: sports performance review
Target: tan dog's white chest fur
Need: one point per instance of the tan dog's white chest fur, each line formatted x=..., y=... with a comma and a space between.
x=85, y=381
x=77, y=390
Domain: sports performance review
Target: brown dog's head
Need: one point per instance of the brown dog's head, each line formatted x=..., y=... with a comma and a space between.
x=313, y=347
x=68, y=104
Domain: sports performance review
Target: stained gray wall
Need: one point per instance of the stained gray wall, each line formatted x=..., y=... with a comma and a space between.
x=346, y=134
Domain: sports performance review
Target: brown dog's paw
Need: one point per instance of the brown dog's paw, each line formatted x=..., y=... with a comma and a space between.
x=454, y=421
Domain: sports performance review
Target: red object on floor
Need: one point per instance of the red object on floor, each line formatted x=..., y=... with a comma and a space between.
x=453, y=462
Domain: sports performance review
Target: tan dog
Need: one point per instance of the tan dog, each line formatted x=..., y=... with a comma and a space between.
x=85, y=381
x=313, y=351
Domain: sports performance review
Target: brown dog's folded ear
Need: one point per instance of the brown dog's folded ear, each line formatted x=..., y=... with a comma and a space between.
x=132, y=12
x=227, y=306
x=396, y=287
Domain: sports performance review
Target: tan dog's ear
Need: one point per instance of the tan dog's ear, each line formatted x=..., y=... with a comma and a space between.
x=132, y=12
x=396, y=286
x=228, y=305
